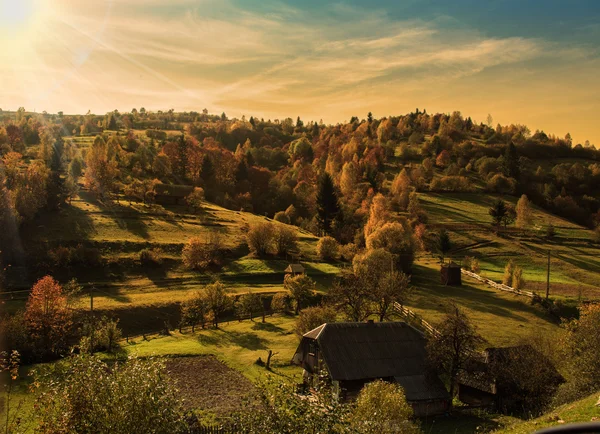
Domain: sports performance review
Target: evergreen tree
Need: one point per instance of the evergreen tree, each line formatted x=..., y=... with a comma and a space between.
x=511, y=162
x=444, y=244
x=182, y=158
x=327, y=203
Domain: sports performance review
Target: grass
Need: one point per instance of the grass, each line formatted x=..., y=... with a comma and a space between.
x=575, y=265
x=501, y=318
x=584, y=410
x=238, y=344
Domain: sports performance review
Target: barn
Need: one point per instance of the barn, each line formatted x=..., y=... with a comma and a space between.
x=354, y=354
x=495, y=377
x=171, y=194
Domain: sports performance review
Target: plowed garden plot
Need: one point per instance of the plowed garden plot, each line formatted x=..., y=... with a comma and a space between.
x=209, y=385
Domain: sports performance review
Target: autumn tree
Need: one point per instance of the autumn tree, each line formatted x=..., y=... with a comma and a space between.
x=350, y=296
x=195, y=310
x=378, y=214
x=393, y=287
x=327, y=203
x=349, y=179
x=285, y=240
x=328, y=248
x=450, y=348
x=260, y=238
x=100, y=173
x=524, y=213
x=48, y=316
x=312, y=317
x=217, y=300
x=201, y=253
x=398, y=239
x=582, y=344
x=443, y=159
x=195, y=199
x=250, y=304
x=300, y=288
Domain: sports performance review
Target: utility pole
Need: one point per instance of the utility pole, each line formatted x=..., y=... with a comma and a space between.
x=92, y=319
x=548, y=277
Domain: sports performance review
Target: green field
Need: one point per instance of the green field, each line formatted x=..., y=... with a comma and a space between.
x=575, y=263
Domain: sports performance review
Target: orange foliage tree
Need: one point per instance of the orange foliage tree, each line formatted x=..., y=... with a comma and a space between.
x=48, y=316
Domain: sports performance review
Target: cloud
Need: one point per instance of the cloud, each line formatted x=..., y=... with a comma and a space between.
x=270, y=59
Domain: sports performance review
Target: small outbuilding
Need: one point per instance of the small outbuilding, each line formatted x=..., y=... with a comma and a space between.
x=451, y=275
x=294, y=270
x=354, y=354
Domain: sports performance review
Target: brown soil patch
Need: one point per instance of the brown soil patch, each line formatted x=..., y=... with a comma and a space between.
x=209, y=385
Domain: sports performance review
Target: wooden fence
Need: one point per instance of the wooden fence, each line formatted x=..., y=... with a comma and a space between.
x=415, y=319
x=495, y=285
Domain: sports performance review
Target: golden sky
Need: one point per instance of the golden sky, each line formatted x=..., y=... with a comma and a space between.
x=321, y=60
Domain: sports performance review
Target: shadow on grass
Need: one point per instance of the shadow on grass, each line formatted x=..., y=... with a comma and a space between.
x=249, y=341
x=460, y=422
x=267, y=327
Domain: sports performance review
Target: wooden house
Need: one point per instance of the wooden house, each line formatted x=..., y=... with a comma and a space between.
x=171, y=194
x=354, y=354
x=495, y=377
x=451, y=274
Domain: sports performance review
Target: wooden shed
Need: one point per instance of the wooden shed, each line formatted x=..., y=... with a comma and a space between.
x=355, y=354
x=450, y=274
x=294, y=270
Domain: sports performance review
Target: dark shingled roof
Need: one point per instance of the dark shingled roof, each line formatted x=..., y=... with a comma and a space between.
x=294, y=268
x=360, y=351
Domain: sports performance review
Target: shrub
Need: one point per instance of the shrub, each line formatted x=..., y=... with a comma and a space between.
x=260, y=238
x=348, y=252
x=281, y=302
x=518, y=281
x=79, y=395
x=501, y=184
x=61, y=256
x=282, y=217
x=150, y=257
x=328, y=249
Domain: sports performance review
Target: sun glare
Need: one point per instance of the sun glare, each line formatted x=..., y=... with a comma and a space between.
x=16, y=13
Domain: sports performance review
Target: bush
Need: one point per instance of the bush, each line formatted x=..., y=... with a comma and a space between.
x=199, y=254
x=61, y=256
x=348, y=252
x=282, y=217
x=80, y=396
x=150, y=257
x=281, y=303
x=260, y=238
x=312, y=317
x=328, y=249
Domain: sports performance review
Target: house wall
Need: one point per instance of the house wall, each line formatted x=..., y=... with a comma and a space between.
x=475, y=397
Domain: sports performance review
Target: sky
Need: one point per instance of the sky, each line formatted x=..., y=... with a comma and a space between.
x=532, y=62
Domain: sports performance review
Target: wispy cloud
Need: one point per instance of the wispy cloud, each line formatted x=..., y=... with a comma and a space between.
x=330, y=63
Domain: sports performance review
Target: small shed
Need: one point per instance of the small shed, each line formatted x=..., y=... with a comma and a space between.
x=294, y=270
x=450, y=274
x=354, y=354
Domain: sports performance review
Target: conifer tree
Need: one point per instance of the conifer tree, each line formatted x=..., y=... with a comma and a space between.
x=327, y=203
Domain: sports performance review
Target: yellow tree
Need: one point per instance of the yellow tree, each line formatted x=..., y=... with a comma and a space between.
x=524, y=213
x=378, y=214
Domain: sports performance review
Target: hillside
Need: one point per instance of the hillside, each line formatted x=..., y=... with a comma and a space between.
x=584, y=410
